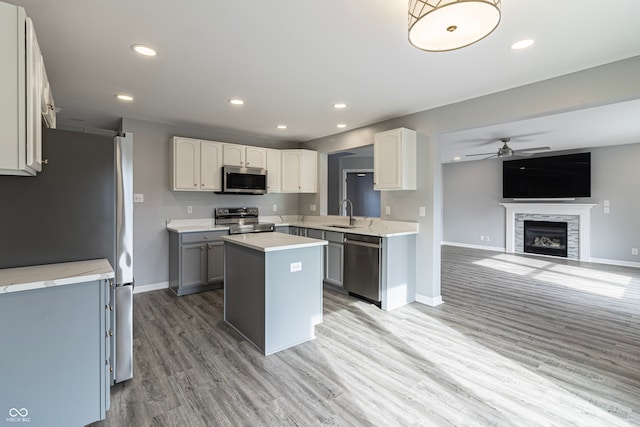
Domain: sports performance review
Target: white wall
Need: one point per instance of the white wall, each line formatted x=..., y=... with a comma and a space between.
x=151, y=178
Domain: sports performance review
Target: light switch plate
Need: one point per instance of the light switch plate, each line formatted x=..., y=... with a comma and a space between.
x=295, y=266
x=275, y=208
x=312, y=208
x=605, y=203
x=189, y=209
x=606, y=210
x=387, y=210
x=422, y=211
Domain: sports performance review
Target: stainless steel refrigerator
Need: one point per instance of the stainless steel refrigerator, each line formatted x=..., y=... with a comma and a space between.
x=79, y=207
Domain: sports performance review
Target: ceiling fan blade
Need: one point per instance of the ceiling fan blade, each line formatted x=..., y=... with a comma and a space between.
x=481, y=154
x=524, y=150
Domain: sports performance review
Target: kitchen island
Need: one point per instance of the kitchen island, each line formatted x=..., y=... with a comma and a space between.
x=273, y=288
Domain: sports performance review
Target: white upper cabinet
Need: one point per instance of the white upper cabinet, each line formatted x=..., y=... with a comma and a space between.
x=245, y=156
x=274, y=171
x=299, y=171
x=21, y=86
x=196, y=165
x=394, y=160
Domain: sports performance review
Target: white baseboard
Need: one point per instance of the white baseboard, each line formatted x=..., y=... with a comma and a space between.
x=432, y=302
x=138, y=289
x=594, y=260
x=615, y=262
x=467, y=245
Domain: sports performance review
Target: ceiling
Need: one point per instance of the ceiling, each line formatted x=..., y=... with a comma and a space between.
x=291, y=60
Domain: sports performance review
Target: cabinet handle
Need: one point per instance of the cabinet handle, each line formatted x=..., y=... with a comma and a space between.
x=206, y=236
x=110, y=333
x=210, y=246
x=195, y=185
x=45, y=161
x=202, y=248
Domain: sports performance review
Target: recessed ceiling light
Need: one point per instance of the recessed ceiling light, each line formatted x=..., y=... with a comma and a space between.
x=342, y=125
x=281, y=126
x=522, y=44
x=124, y=97
x=339, y=105
x=236, y=101
x=457, y=158
x=143, y=50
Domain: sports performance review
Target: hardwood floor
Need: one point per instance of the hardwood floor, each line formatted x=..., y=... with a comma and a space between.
x=520, y=341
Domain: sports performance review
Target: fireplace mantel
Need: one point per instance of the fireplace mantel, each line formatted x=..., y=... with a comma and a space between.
x=582, y=210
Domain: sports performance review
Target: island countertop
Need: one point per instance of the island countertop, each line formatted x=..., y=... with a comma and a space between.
x=49, y=275
x=269, y=242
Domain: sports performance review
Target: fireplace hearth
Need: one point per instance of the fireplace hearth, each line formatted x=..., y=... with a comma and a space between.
x=545, y=238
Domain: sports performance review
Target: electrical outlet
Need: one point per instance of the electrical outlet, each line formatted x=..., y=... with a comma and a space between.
x=486, y=239
x=295, y=266
x=312, y=208
x=634, y=251
x=275, y=208
x=138, y=198
x=189, y=209
x=387, y=210
x=606, y=210
x=605, y=203
x=482, y=237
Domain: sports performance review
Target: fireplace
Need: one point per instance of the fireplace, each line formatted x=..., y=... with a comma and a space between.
x=545, y=238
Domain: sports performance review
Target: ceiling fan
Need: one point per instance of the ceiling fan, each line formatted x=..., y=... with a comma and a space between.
x=506, y=151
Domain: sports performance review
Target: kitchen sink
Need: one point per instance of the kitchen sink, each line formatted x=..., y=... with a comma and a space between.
x=341, y=226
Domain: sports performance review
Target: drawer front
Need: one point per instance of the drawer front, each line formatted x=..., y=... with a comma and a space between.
x=206, y=236
x=315, y=234
x=334, y=236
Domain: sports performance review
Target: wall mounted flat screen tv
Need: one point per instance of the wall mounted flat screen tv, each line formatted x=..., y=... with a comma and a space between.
x=550, y=177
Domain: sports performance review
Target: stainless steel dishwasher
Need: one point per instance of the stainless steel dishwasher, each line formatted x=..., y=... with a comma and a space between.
x=362, y=266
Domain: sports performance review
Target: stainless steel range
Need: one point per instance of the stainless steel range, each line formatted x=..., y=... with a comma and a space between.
x=242, y=220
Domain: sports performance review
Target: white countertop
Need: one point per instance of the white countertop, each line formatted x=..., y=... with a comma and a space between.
x=366, y=226
x=270, y=242
x=49, y=275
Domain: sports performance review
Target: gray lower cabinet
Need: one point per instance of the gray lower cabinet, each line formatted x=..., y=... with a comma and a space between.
x=333, y=258
x=54, y=357
x=196, y=261
x=282, y=229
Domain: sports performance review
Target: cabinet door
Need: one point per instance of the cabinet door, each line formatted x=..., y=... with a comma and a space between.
x=274, y=171
x=215, y=262
x=308, y=171
x=193, y=266
x=186, y=164
x=333, y=263
x=233, y=155
x=256, y=157
x=386, y=160
x=315, y=234
x=34, y=98
x=210, y=166
x=291, y=162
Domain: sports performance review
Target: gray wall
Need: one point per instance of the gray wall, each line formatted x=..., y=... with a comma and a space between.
x=472, y=191
x=151, y=178
x=602, y=85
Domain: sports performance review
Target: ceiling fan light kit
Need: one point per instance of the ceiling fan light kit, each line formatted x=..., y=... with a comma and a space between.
x=506, y=151
x=443, y=25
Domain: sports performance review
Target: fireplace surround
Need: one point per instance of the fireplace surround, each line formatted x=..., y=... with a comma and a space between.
x=576, y=215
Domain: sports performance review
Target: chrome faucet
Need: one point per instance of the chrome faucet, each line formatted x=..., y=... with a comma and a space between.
x=352, y=220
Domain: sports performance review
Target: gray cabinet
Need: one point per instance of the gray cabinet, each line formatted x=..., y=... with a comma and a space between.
x=333, y=258
x=282, y=229
x=55, y=352
x=196, y=261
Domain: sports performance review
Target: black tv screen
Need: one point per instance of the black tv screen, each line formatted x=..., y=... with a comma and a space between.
x=551, y=177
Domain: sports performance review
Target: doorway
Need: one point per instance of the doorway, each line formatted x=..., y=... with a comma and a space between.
x=358, y=187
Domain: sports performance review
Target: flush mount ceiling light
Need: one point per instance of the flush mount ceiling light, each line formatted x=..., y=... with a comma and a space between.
x=442, y=25
x=341, y=125
x=281, y=126
x=340, y=105
x=124, y=97
x=236, y=101
x=143, y=50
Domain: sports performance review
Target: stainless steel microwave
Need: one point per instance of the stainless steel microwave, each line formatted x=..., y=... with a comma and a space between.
x=239, y=180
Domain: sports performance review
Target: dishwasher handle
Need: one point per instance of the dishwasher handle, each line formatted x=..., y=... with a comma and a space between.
x=359, y=243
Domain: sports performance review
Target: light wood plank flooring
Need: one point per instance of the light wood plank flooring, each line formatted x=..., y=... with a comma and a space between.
x=520, y=341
